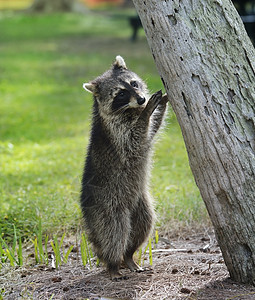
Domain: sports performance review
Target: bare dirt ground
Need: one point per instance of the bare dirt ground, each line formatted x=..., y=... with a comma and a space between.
x=185, y=268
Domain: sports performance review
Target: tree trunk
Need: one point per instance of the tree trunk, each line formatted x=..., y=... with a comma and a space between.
x=206, y=62
x=50, y=6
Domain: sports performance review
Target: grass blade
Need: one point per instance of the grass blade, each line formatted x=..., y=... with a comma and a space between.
x=9, y=253
x=40, y=243
x=14, y=239
x=56, y=250
x=84, y=256
x=150, y=250
x=61, y=241
x=89, y=253
x=1, y=253
x=46, y=255
x=139, y=261
x=36, y=250
x=86, y=251
x=65, y=257
x=98, y=262
x=145, y=250
x=19, y=253
x=10, y=257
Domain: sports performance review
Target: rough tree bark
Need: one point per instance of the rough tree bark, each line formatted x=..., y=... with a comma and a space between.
x=56, y=5
x=206, y=62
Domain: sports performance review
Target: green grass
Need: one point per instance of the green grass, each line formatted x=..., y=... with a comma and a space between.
x=15, y=4
x=45, y=119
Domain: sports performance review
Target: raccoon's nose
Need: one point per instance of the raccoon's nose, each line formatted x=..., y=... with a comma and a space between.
x=140, y=100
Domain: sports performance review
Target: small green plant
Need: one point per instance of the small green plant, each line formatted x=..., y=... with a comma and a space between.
x=86, y=252
x=2, y=290
x=41, y=255
x=36, y=250
x=150, y=251
x=56, y=246
x=97, y=262
x=1, y=254
x=66, y=255
x=142, y=254
x=14, y=253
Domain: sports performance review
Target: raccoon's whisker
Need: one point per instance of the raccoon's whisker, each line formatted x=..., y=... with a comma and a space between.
x=122, y=109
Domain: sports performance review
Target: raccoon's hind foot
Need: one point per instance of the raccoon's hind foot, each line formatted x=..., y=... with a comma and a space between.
x=133, y=266
x=115, y=274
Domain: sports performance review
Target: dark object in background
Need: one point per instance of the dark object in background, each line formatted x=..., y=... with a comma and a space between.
x=249, y=23
x=135, y=24
x=242, y=6
x=246, y=9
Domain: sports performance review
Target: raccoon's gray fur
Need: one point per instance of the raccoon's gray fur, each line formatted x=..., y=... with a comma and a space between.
x=115, y=201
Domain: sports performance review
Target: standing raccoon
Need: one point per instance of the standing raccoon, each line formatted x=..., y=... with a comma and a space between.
x=115, y=201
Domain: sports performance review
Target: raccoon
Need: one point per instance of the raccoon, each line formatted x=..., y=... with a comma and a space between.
x=115, y=200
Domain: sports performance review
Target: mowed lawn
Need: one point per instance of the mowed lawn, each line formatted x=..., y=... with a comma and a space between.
x=45, y=121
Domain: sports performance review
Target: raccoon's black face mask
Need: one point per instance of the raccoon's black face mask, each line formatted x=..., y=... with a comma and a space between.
x=129, y=96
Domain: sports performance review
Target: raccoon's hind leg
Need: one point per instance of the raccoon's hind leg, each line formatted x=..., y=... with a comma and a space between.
x=141, y=224
x=113, y=234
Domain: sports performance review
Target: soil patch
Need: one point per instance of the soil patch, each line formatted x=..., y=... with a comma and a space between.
x=185, y=268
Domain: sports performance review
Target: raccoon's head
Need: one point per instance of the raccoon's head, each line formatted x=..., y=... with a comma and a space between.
x=118, y=90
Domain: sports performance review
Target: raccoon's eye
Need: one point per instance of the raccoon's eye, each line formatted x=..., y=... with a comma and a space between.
x=121, y=99
x=121, y=95
x=134, y=84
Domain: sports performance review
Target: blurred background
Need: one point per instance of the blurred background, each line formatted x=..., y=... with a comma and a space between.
x=48, y=49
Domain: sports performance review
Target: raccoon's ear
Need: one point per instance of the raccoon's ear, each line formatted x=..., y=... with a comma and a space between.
x=90, y=87
x=119, y=62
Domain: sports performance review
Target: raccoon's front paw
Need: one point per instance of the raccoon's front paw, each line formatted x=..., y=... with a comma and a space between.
x=152, y=104
x=164, y=99
x=154, y=100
